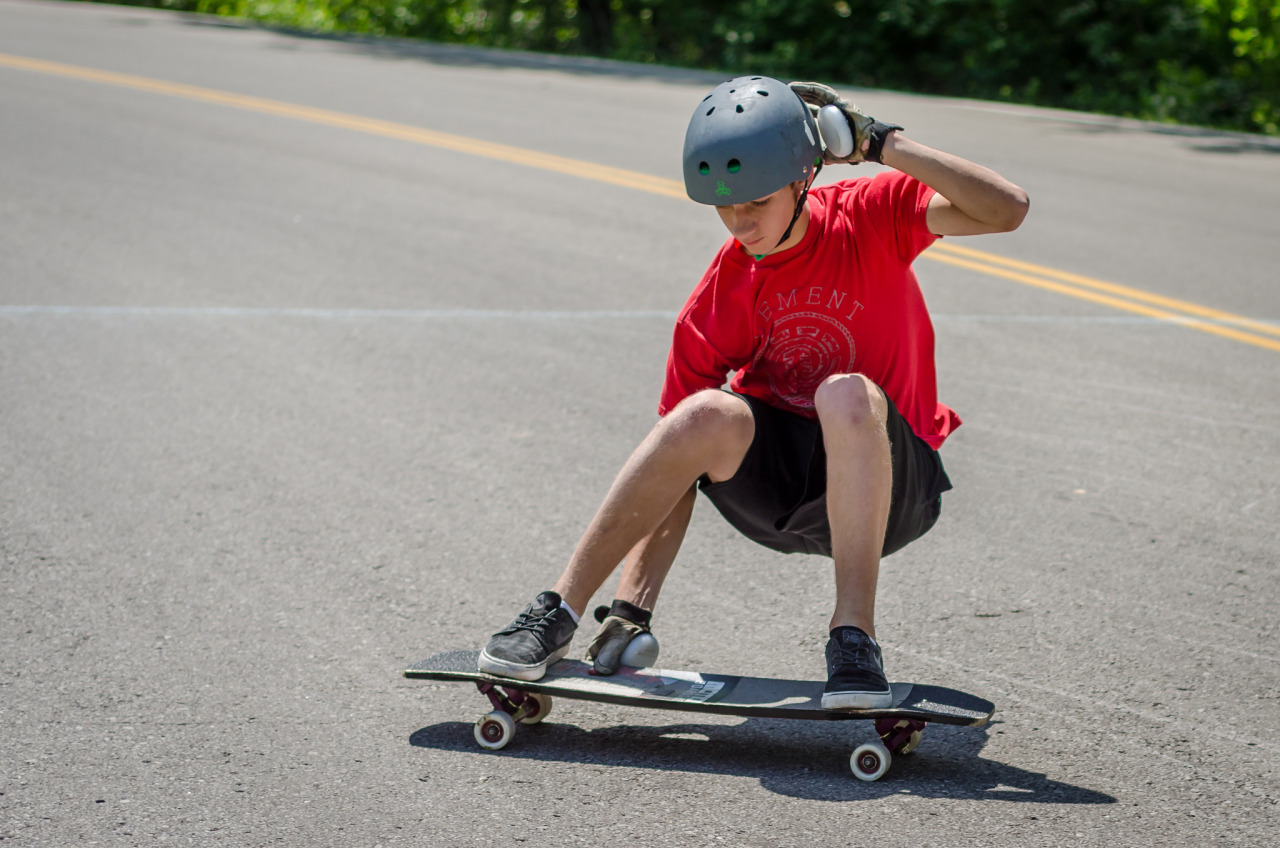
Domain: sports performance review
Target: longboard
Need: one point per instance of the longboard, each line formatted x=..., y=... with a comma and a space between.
x=528, y=702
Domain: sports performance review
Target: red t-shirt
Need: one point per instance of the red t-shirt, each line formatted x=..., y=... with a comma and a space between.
x=842, y=301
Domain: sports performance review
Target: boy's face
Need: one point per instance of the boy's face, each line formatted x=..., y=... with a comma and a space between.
x=760, y=223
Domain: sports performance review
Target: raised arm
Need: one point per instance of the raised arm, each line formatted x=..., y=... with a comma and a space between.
x=970, y=200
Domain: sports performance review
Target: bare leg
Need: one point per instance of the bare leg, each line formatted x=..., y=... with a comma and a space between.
x=853, y=412
x=708, y=433
x=650, y=560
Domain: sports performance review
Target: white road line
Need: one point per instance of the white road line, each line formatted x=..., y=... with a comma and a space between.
x=532, y=314
x=328, y=314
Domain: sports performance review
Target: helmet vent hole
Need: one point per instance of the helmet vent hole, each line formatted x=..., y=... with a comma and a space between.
x=734, y=166
x=739, y=108
x=763, y=93
x=704, y=168
x=712, y=109
x=708, y=97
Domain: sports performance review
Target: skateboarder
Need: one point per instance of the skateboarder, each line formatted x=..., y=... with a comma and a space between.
x=826, y=441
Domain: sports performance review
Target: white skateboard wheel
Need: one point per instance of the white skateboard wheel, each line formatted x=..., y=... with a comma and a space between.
x=834, y=128
x=870, y=761
x=641, y=652
x=494, y=730
x=539, y=706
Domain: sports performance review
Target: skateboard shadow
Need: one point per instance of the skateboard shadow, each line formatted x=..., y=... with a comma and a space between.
x=807, y=760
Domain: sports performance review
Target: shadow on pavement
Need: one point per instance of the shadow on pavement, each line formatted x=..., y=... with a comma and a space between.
x=808, y=760
x=1195, y=139
x=457, y=55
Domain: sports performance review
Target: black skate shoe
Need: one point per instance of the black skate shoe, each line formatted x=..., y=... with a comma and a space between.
x=855, y=673
x=529, y=645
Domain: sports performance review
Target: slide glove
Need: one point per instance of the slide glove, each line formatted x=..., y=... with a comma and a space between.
x=623, y=638
x=869, y=135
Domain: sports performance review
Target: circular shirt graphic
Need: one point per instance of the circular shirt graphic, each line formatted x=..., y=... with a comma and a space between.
x=803, y=349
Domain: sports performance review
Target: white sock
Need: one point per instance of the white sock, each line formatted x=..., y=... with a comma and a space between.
x=577, y=619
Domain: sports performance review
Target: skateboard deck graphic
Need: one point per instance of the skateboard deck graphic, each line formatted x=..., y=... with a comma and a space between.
x=527, y=702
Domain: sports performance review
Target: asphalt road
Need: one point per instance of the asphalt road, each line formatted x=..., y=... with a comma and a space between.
x=288, y=403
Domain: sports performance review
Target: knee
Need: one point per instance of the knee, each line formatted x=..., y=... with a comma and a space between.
x=712, y=419
x=849, y=399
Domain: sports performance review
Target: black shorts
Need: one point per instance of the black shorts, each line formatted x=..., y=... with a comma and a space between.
x=778, y=497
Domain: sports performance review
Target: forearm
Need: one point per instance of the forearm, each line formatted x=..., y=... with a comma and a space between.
x=991, y=201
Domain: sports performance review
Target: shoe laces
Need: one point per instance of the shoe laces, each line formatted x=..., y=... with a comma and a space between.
x=859, y=653
x=536, y=621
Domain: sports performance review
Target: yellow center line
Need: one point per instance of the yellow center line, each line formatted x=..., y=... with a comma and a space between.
x=1107, y=300
x=371, y=126
x=1112, y=288
x=1101, y=292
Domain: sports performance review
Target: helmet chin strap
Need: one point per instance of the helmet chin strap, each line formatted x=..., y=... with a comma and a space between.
x=795, y=216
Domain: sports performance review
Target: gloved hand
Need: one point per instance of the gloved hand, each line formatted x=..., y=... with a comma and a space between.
x=623, y=638
x=868, y=134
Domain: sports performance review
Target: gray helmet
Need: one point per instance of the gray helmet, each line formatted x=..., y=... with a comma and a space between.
x=748, y=138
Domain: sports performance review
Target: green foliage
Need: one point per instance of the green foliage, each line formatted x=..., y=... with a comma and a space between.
x=1242, y=70
x=1212, y=62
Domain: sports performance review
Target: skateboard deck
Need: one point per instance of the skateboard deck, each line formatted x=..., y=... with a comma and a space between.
x=527, y=702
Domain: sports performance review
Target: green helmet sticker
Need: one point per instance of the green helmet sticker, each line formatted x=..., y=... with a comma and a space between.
x=722, y=190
